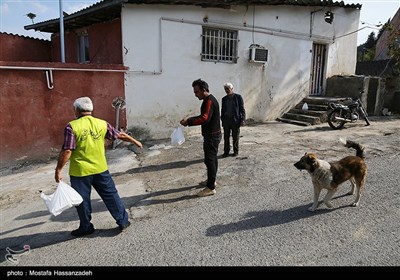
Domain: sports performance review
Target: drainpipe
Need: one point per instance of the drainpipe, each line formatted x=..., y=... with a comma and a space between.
x=62, y=32
x=118, y=104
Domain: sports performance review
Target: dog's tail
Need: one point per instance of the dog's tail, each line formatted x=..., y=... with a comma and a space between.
x=351, y=144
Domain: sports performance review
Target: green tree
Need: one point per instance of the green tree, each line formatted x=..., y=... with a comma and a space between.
x=371, y=41
x=366, y=51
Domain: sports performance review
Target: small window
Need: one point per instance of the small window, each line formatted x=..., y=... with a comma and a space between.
x=219, y=45
x=83, y=48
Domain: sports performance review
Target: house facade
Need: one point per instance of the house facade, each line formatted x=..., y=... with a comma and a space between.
x=166, y=45
x=172, y=48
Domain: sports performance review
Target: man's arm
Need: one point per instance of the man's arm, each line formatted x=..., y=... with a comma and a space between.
x=203, y=118
x=126, y=137
x=223, y=108
x=113, y=134
x=63, y=158
x=66, y=151
x=242, y=111
x=239, y=108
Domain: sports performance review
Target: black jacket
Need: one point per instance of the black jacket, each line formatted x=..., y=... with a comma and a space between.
x=239, y=111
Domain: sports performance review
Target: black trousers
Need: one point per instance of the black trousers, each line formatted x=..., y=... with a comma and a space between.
x=230, y=127
x=210, y=147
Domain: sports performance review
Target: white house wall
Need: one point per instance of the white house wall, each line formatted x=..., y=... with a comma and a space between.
x=342, y=58
x=162, y=46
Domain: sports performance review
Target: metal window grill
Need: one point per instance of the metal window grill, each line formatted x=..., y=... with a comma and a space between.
x=219, y=45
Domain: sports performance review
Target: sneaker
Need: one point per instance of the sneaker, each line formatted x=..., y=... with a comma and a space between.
x=124, y=227
x=225, y=155
x=79, y=232
x=206, y=192
x=235, y=154
x=204, y=183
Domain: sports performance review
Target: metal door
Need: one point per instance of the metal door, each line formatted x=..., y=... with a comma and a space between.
x=318, y=70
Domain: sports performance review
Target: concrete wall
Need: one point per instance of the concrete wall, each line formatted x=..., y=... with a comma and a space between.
x=375, y=93
x=33, y=116
x=344, y=86
x=392, y=96
x=162, y=46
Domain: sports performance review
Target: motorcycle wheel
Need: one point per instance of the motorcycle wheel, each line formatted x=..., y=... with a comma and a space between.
x=333, y=123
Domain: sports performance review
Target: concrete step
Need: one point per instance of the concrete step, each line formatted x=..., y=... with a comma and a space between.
x=321, y=100
x=316, y=113
x=293, y=121
x=303, y=118
x=321, y=114
x=313, y=107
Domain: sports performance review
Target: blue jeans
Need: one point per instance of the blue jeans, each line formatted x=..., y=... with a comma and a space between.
x=105, y=187
x=210, y=147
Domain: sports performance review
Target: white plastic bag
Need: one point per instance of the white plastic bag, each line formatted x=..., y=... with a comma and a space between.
x=305, y=106
x=63, y=198
x=178, y=136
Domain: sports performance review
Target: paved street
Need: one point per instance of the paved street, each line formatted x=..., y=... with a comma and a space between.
x=258, y=217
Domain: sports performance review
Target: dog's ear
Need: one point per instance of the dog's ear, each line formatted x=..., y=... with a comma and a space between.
x=312, y=161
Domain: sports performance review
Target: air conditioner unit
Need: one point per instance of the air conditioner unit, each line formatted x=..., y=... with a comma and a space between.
x=259, y=55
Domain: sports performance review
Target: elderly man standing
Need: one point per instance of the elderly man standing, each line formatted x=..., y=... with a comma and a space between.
x=84, y=148
x=233, y=116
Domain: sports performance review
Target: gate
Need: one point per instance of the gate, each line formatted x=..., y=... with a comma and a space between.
x=318, y=70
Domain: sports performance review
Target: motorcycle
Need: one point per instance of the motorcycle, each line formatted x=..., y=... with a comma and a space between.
x=339, y=114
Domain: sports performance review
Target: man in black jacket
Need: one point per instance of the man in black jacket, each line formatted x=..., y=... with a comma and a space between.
x=233, y=116
x=209, y=119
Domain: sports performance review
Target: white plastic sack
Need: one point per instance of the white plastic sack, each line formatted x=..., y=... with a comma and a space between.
x=178, y=136
x=63, y=198
x=305, y=106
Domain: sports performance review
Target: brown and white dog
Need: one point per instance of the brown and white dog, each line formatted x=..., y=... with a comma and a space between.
x=329, y=175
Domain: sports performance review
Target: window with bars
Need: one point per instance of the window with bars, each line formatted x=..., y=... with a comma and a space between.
x=219, y=45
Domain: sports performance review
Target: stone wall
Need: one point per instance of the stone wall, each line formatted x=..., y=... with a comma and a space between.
x=375, y=93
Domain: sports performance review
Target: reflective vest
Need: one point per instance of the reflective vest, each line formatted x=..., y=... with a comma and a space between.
x=89, y=156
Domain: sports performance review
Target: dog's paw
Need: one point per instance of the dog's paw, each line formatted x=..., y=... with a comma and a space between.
x=311, y=209
x=354, y=204
x=350, y=193
x=328, y=204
